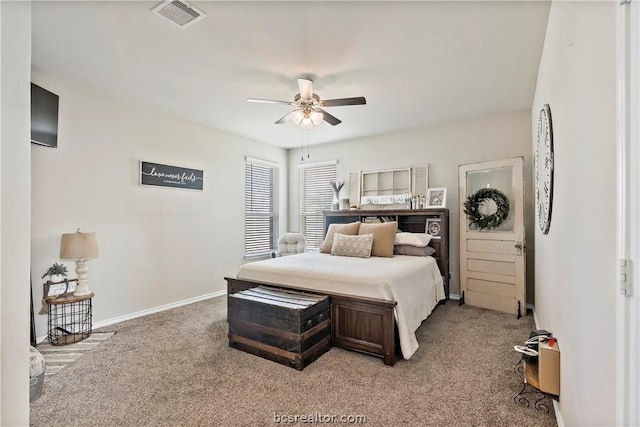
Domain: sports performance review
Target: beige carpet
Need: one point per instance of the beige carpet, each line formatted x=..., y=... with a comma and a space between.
x=175, y=369
x=57, y=357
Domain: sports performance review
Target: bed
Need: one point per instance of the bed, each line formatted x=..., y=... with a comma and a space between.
x=376, y=303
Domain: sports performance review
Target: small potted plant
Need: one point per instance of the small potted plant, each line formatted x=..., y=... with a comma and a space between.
x=57, y=273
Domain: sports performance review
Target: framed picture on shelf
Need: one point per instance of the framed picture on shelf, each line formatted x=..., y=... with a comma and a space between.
x=437, y=197
x=433, y=227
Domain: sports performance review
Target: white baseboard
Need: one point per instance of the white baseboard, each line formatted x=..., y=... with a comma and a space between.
x=158, y=309
x=148, y=311
x=530, y=306
x=556, y=409
x=454, y=296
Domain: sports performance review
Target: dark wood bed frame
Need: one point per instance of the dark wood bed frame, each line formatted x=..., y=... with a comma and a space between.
x=368, y=325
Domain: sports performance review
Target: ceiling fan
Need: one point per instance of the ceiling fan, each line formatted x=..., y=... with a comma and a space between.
x=309, y=107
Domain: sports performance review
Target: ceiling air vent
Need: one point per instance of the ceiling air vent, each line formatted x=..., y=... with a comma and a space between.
x=179, y=12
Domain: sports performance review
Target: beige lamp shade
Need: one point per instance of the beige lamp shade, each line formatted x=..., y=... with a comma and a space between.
x=78, y=245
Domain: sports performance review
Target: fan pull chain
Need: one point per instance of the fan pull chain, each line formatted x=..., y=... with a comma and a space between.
x=304, y=132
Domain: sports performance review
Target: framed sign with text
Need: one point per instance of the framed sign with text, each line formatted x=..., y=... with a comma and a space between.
x=159, y=175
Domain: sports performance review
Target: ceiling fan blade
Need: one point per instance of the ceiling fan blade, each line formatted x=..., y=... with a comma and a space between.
x=360, y=100
x=332, y=120
x=268, y=101
x=284, y=118
x=306, y=89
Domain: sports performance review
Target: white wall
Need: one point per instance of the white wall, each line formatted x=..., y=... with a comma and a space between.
x=444, y=148
x=575, y=263
x=157, y=245
x=15, y=69
x=628, y=236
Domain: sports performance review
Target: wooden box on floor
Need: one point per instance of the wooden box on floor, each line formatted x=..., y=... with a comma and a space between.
x=549, y=368
x=545, y=375
x=288, y=327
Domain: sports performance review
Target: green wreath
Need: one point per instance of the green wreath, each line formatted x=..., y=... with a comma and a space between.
x=474, y=201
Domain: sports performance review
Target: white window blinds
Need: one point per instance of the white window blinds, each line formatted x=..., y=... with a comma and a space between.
x=261, y=202
x=315, y=196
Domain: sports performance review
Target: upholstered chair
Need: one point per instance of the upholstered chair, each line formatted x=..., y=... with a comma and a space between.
x=291, y=243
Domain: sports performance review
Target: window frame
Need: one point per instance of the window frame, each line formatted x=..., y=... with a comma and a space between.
x=254, y=197
x=309, y=210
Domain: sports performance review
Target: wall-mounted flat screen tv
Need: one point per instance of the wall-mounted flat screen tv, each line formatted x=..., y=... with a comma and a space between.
x=44, y=117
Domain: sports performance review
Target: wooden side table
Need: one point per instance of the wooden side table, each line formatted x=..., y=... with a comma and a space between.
x=69, y=319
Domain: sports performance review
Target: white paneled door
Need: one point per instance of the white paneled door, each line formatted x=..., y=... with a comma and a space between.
x=492, y=248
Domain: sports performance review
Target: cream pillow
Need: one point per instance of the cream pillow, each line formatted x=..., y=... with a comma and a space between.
x=419, y=240
x=384, y=236
x=353, y=246
x=350, y=229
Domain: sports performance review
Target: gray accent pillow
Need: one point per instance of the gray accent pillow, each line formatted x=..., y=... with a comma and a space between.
x=414, y=250
x=354, y=246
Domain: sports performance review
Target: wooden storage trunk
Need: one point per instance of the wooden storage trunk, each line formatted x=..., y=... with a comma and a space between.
x=288, y=327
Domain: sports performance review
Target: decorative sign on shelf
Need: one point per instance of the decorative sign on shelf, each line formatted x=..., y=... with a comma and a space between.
x=156, y=174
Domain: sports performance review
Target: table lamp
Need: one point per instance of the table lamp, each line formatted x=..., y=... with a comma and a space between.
x=80, y=247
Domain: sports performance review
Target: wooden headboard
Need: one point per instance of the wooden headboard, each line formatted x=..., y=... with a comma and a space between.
x=432, y=221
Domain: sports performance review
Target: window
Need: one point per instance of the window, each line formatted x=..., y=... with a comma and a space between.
x=261, y=203
x=315, y=196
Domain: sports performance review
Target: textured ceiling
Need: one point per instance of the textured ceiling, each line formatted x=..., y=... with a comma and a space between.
x=417, y=63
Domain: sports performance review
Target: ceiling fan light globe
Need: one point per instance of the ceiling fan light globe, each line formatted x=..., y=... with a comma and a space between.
x=306, y=123
x=317, y=117
x=296, y=117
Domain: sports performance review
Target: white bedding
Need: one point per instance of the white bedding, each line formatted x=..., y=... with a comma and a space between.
x=415, y=283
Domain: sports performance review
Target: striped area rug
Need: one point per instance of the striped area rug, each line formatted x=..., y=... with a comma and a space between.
x=56, y=357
